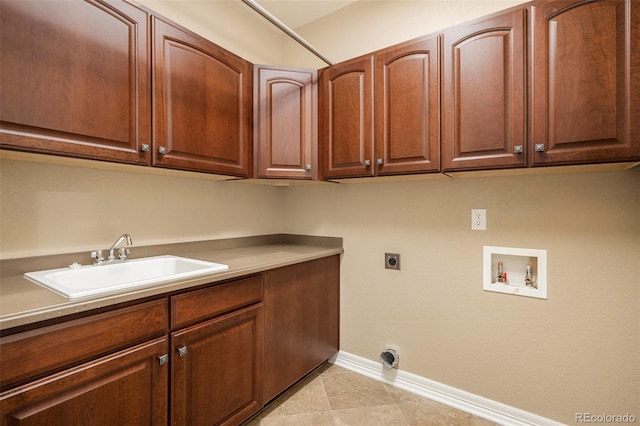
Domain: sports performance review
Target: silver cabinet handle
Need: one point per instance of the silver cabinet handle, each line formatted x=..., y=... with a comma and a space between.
x=162, y=150
x=518, y=149
x=539, y=147
x=308, y=167
x=379, y=161
x=163, y=359
x=145, y=147
x=182, y=351
x=367, y=163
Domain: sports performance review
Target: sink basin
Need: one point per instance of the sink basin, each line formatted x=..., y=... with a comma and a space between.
x=95, y=280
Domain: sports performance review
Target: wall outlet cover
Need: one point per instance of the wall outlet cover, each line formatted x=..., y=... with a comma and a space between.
x=478, y=219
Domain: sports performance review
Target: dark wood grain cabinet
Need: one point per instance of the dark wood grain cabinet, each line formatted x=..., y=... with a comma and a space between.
x=212, y=355
x=302, y=311
x=285, y=122
x=380, y=113
x=547, y=83
x=484, y=97
x=346, y=118
x=202, y=104
x=75, y=79
x=585, y=84
x=407, y=108
x=217, y=370
x=102, y=369
x=126, y=388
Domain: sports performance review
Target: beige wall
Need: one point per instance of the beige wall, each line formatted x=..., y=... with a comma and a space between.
x=48, y=208
x=577, y=351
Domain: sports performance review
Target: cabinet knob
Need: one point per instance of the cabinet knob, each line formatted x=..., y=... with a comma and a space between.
x=367, y=163
x=518, y=149
x=308, y=167
x=163, y=359
x=162, y=150
x=182, y=351
x=145, y=147
x=539, y=147
x=379, y=161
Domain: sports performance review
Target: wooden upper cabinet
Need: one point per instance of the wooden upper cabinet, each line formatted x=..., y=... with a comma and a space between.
x=484, y=97
x=202, y=104
x=407, y=108
x=586, y=89
x=75, y=79
x=285, y=117
x=346, y=118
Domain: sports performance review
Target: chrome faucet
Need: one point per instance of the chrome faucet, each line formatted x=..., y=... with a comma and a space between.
x=122, y=252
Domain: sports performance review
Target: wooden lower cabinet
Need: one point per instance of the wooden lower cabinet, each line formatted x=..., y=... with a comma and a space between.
x=209, y=356
x=301, y=321
x=126, y=388
x=216, y=370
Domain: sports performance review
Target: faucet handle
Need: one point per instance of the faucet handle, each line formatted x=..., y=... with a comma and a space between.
x=123, y=252
x=98, y=256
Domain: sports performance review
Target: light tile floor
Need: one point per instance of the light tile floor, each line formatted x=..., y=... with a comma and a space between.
x=333, y=395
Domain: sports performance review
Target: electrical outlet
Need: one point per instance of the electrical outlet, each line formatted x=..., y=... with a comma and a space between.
x=392, y=261
x=478, y=219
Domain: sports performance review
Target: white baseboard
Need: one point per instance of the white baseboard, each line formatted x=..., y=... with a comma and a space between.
x=465, y=401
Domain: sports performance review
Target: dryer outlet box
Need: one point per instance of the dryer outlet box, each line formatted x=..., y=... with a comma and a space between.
x=392, y=261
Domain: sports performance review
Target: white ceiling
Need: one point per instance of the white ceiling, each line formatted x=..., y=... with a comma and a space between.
x=296, y=13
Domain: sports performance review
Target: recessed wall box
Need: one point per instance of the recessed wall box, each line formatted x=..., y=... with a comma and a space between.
x=392, y=261
x=524, y=271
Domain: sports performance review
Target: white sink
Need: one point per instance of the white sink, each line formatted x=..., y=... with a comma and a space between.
x=95, y=280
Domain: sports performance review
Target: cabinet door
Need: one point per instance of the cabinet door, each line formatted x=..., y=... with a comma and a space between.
x=346, y=123
x=217, y=370
x=407, y=108
x=202, y=104
x=285, y=116
x=75, y=79
x=127, y=388
x=302, y=310
x=484, y=97
x=586, y=63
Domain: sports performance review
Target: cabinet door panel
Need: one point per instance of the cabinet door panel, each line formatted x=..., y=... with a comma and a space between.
x=346, y=125
x=286, y=122
x=218, y=379
x=407, y=108
x=75, y=79
x=485, y=93
x=302, y=305
x=202, y=104
x=127, y=388
x=585, y=104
